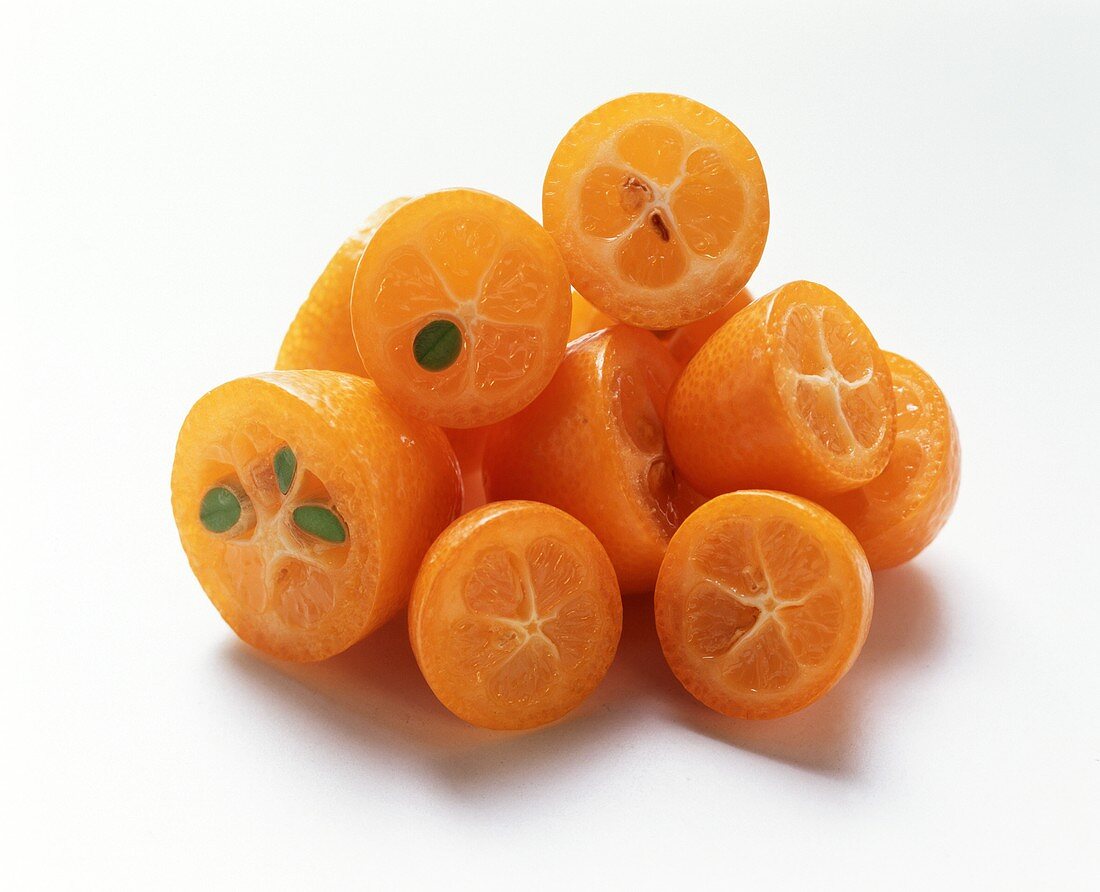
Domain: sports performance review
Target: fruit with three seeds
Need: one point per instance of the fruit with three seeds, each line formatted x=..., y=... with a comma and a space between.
x=320, y=336
x=900, y=512
x=763, y=603
x=593, y=445
x=305, y=503
x=515, y=616
x=460, y=308
x=660, y=208
x=792, y=393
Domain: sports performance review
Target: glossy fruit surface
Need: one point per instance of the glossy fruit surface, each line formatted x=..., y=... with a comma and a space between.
x=763, y=603
x=586, y=319
x=515, y=616
x=593, y=445
x=792, y=393
x=900, y=512
x=684, y=342
x=460, y=308
x=320, y=336
x=660, y=208
x=305, y=503
x=469, y=446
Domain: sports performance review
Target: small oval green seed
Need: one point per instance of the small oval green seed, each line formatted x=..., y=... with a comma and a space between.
x=320, y=522
x=286, y=465
x=220, y=509
x=437, y=345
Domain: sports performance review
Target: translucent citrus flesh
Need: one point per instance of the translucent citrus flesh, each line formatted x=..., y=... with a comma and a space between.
x=479, y=263
x=593, y=445
x=901, y=511
x=270, y=564
x=515, y=617
x=660, y=206
x=320, y=337
x=390, y=484
x=771, y=599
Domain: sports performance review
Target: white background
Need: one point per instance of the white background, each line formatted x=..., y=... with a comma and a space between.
x=176, y=175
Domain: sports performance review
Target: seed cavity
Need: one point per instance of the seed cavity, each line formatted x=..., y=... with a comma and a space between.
x=437, y=345
x=658, y=223
x=321, y=522
x=221, y=508
x=286, y=465
x=633, y=195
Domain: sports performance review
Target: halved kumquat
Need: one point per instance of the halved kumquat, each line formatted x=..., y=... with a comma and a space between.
x=593, y=444
x=460, y=308
x=305, y=503
x=900, y=512
x=515, y=616
x=763, y=603
x=792, y=393
x=660, y=208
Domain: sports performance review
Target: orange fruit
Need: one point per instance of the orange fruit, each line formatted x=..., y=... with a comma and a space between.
x=900, y=512
x=684, y=342
x=460, y=308
x=792, y=393
x=515, y=616
x=469, y=447
x=304, y=503
x=586, y=318
x=763, y=603
x=593, y=444
x=320, y=336
x=660, y=208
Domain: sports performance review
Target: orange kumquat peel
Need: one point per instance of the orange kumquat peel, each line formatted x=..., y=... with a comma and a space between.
x=320, y=337
x=593, y=444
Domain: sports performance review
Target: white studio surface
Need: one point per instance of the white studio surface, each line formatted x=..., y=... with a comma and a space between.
x=173, y=179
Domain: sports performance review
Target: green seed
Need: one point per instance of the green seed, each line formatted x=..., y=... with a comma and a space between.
x=286, y=464
x=320, y=522
x=437, y=345
x=220, y=509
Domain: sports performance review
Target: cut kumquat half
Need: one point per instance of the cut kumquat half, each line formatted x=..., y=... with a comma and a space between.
x=900, y=512
x=460, y=308
x=792, y=393
x=763, y=603
x=593, y=444
x=305, y=503
x=660, y=208
x=515, y=616
x=320, y=337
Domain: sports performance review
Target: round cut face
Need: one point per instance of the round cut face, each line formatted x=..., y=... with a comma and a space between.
x=461, y=308
x=762, y=604
x=515, y=616
x=660, y=207
x=284, y=491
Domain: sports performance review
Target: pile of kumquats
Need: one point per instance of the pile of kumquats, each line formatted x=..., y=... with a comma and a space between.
x=505, y=428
